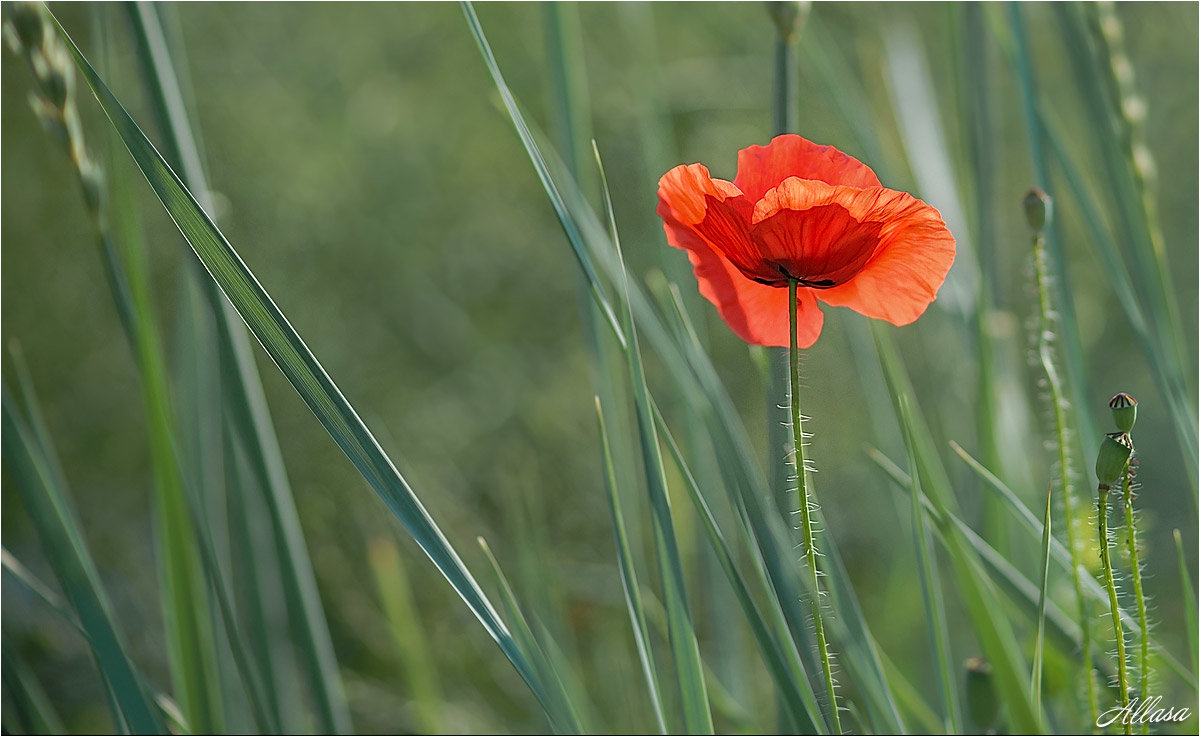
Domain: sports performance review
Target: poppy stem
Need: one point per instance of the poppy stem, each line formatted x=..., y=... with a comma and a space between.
x=1136, y=576
x=1111, y=586
x=809, y=543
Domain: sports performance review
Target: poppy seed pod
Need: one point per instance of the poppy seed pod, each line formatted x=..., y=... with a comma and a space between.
x=1112, y=458
x=1124, y=411
x=1037, y=208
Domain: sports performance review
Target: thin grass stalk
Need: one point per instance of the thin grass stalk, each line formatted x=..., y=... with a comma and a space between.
x=629, y=581
x=1128, y=113
x=697, y=715
x=808, y=541
x=191, y=640
x=244, y=399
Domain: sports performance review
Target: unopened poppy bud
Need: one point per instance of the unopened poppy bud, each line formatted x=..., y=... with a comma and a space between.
x=1112, y=458
x=1037, y=209
x=1124, y=410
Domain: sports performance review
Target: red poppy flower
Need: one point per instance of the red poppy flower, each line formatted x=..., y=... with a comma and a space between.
x=811, y=213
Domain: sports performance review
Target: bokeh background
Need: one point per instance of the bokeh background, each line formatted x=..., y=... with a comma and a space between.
x=363, y=168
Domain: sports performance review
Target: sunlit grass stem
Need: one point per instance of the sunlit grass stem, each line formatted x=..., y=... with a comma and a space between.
x=806, y=528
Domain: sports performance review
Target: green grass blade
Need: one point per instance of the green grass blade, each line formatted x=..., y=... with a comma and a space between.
x=298, y=364
x=697, y=716
x=40, y=590
x=245, y=402
x=1036, y=686
x=629, y=580
x=562, y=713
x=418, y=666
x=784, y=664
x=995, y=633
x=53, y=516
x=931, y=591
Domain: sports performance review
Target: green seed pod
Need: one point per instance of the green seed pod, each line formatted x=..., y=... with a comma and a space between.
x=1037, y=209
x=1124, y=410
x=1110, y=461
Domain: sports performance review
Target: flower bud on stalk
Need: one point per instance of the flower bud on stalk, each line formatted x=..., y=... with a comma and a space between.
x=1112, y=458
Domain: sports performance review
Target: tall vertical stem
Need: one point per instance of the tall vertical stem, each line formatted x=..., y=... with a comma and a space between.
x=809, y=546
x=1110, y=584
x=1135, y=566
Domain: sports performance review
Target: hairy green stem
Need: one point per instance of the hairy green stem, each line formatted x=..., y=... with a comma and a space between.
x=1111, y=586
x=1045, y=331
x=1136, y=568
x=809, y=545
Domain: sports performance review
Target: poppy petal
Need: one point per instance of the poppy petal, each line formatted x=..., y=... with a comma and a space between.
x=756, y=312
x=910, y=262
x=762, y=167
x=683, y=191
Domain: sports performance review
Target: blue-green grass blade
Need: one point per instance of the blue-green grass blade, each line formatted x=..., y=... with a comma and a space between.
x=1059, y=554
x=298, y=364
x=53, y=516
x=931, y=590
x=34, y=711
x=697, y=716
x=244, y=400
x=561, y=712
x=1036, y=679
x=629, y=580
x=39, y=589
x=783, y=663
x=995, y=633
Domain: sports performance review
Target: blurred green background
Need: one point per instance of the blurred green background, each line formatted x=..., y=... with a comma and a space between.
x=365, y=172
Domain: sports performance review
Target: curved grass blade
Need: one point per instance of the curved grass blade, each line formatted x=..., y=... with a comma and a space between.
x=931, y=590
x=562, y=713
x=697, y=716
x=35, y=713
x=629, y=580
x=299, y=365
x=50, y=509
x=245, y=404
